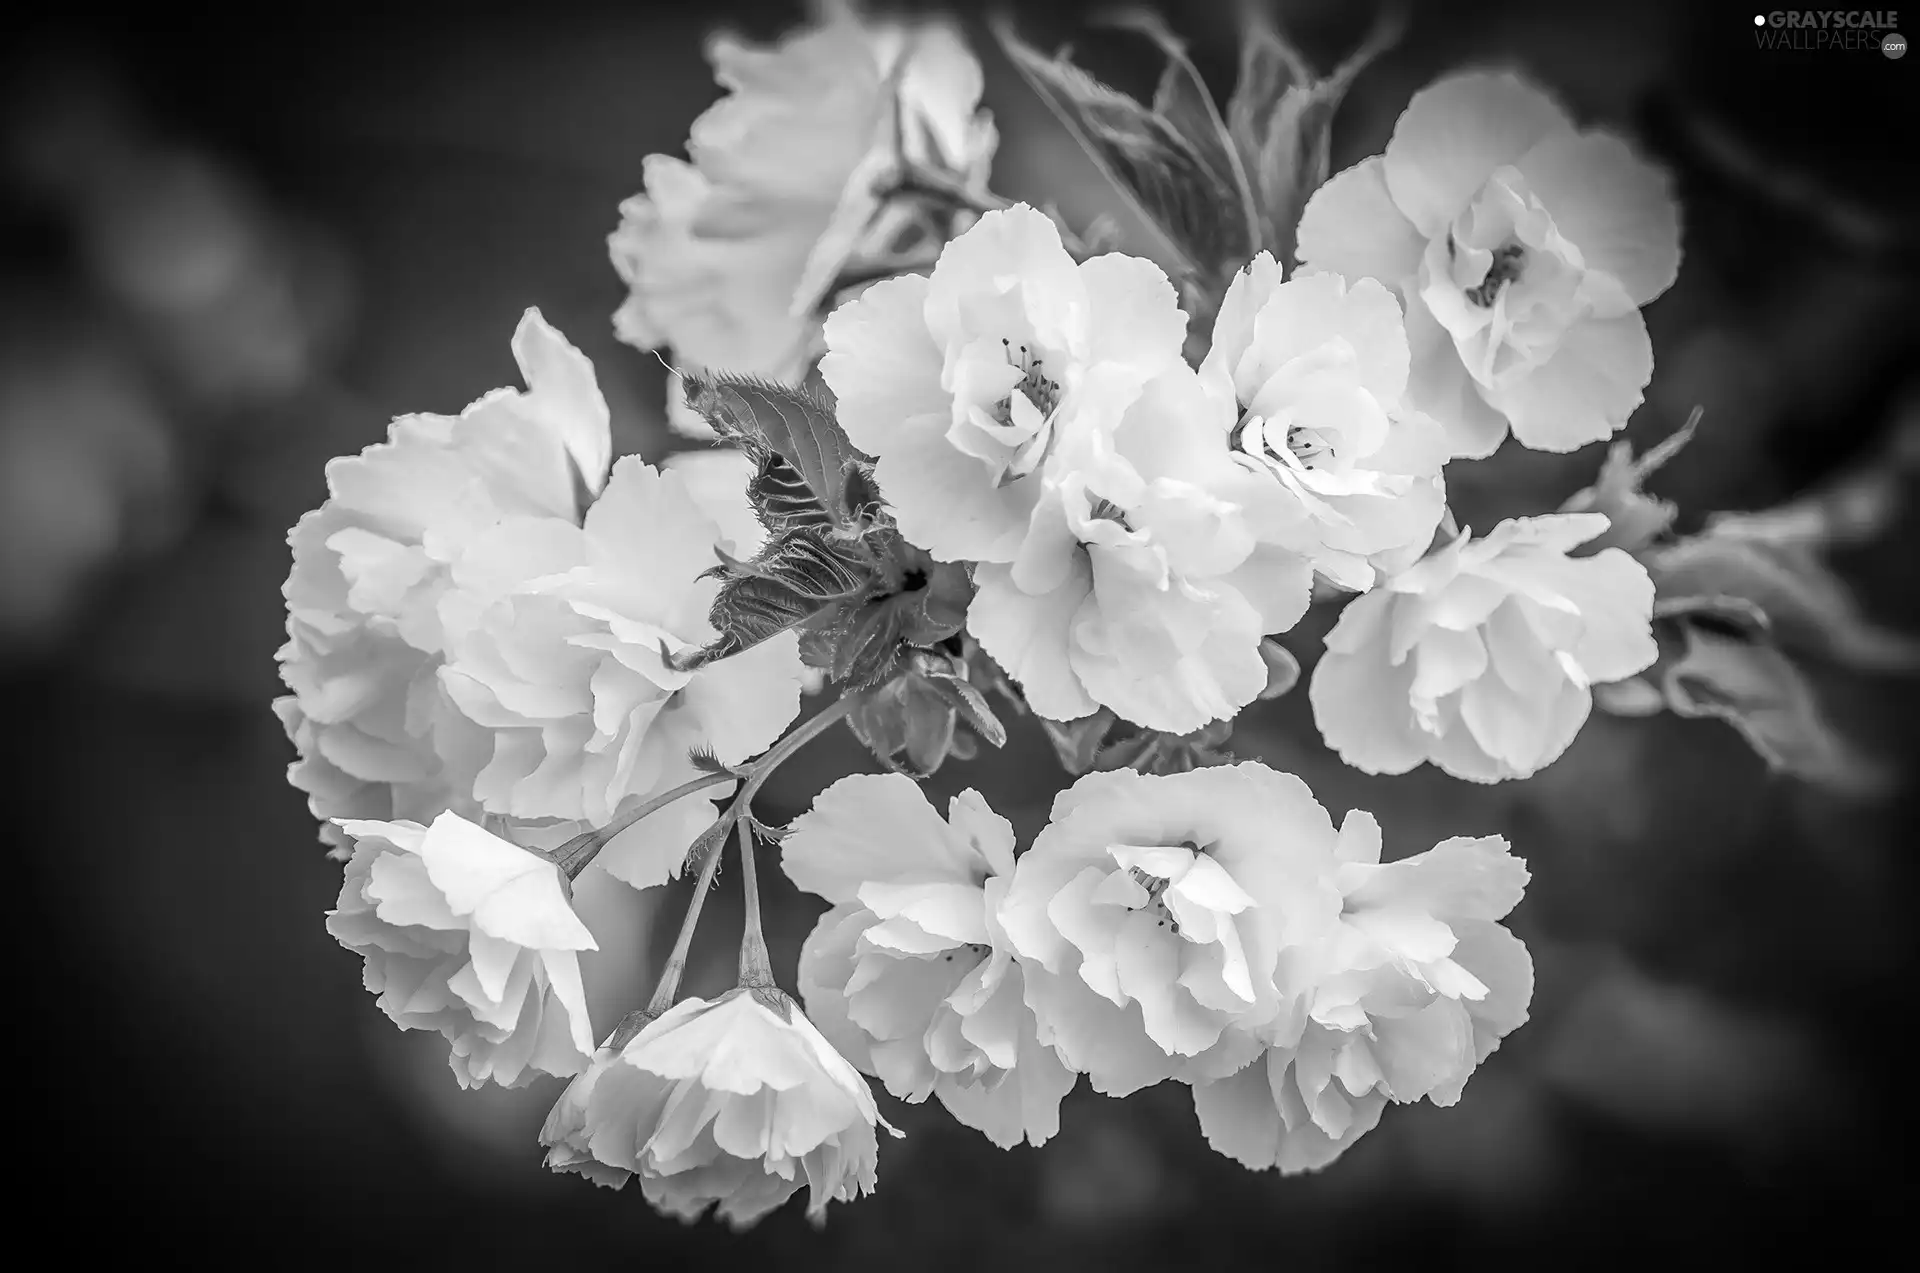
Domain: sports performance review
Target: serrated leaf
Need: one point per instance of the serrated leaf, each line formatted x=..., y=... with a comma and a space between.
x=781, y=499
x=798, y=424
x=860, y=497
x=867, y=644
x=791, y=581
x=1638, y=519
x=1280, y=117
x=1755, y=687
x=1152, y=164
x=971, y=705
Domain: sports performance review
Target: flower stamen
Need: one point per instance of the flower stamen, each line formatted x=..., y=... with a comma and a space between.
x=1507, y=263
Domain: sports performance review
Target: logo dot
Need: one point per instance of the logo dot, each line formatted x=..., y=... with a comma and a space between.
x=1759, y=19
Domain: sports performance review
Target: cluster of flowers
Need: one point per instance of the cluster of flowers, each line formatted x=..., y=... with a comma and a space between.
x=492, y=630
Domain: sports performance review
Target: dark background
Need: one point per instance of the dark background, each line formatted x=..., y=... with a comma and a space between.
x=234, y=244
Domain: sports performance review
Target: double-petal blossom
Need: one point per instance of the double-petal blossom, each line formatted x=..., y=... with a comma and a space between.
x=469, y=935
x=1153, y=913
x=1316, y=369
x=910, y=974
x=1523, y=247
x=735, y=1102
x=962, y=383
x=1481, y=657
x=728, y=254
x=375, y=735
x=1414, y=986
x=1142, y=584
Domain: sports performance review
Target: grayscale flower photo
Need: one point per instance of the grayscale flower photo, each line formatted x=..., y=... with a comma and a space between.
x=884, y=634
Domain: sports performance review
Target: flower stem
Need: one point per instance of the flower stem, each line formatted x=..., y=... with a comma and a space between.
x=756, y=967
x=780, y=752
x=715, y=837
x=669, y=984
x=574, y=856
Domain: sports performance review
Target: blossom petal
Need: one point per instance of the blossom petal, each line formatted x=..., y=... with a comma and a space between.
x=1352, y=226
x=1586, y=391
x=1617, y=208
x=1454, y=134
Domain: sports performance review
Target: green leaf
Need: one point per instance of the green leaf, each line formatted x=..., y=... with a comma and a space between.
x=1280, y=118
x=793, y=580
x=796, y=424
x=1756, y=688
x=867, y=643
x=781, y=499
x=1174, y=185
x=1638, y=518
x=947, y=675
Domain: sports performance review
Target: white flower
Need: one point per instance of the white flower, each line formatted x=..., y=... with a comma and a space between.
x=1140, y=585
x=1317, y=372
x=469, y=935
x=1524, y=249
x=1152, y=913
x=910, y=973
x=1410, y=991
x=960, y=384
x=556, y=634
x=375, y=735
x=729, y=256
x=1480, y=658
x=716, y=478
x=737, y=1102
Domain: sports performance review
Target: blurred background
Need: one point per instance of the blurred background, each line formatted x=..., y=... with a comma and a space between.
x=232, y=247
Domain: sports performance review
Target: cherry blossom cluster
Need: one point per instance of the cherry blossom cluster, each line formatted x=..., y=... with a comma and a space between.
x=960, y=450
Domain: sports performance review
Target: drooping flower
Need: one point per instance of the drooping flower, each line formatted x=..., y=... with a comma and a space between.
x=960, y=384
x=1317, y=370
x=1154, y=912
x=1140, y=584
x=469, y=935
x=910, y=974
x=1481, y=657
x=1523, y=248
x=735, y=1102
x=729, y=256
x=375, y=735
x=1409, y=992
x=558, y=637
